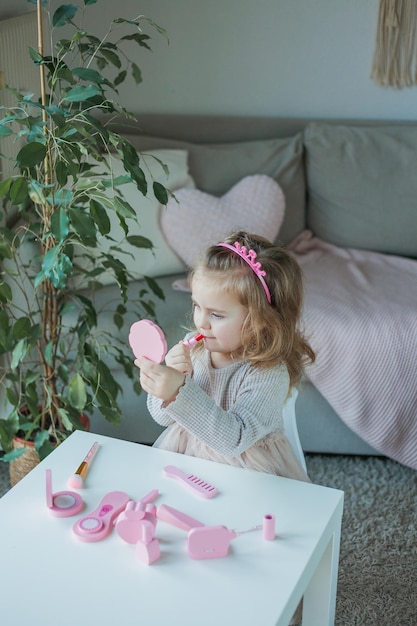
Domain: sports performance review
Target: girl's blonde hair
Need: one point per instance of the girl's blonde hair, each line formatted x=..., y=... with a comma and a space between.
x=271, y=333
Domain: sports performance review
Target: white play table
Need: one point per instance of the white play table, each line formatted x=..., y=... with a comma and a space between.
x=55, y=579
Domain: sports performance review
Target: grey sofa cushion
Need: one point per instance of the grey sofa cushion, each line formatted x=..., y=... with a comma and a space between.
x=362, y=186
x=215, y=168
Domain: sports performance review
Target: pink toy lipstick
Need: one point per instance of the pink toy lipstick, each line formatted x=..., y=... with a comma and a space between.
x=193, y=341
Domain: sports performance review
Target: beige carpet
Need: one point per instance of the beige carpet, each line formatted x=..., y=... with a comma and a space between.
x=378, y=560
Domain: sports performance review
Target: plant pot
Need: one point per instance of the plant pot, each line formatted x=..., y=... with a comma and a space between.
x=25, y=463
x=30, y=458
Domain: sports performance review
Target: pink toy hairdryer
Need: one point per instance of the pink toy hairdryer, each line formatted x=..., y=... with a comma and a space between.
x=203, y=542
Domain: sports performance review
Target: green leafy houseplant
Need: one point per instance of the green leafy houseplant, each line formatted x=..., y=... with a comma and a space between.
x=56, y=208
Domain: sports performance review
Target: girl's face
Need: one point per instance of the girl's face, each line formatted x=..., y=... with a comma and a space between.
x=219, y=316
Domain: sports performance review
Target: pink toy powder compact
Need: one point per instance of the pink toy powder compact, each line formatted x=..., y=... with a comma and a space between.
x=147, y=339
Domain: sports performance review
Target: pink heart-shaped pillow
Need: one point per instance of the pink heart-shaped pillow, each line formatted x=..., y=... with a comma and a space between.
x=198, y=220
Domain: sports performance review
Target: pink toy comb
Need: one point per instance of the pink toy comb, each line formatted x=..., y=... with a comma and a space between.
x=193, y=482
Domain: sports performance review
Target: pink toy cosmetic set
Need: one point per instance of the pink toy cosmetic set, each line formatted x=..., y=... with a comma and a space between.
x=136, y=522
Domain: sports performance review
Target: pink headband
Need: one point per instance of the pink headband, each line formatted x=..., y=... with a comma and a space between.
x=249, y=258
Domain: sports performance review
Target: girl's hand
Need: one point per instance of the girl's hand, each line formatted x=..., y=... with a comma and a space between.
x=179, y=358
x=160, y=381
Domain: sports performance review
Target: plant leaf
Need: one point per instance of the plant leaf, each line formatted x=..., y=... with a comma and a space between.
x=30, y=155
x=160, y=192
x=48, y=353
x=56, y=267
x=81, y=93
x=5, y=131
x=140, y=242
x=84, y=226
x=60, y=224
x=77, y=394
x=5, y=186
x=6, y=293
x=63, y=14
x=61, y=173
x=13, y=454
x=112, y=57
x=99, y=215
x=88, y=74
x=18, y=353
x=136, y=73
x=123, y=208
x=19, y=190
x=66, y=422
x=35, y=56
x=156, y=289
x=120, y=78
x=22, y=328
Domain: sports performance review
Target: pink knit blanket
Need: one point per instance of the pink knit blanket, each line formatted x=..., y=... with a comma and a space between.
x=361, y=317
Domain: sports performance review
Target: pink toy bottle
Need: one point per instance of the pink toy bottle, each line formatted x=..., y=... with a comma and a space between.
x=147, y=548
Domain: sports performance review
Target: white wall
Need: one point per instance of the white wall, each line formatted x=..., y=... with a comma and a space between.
x=297, y=58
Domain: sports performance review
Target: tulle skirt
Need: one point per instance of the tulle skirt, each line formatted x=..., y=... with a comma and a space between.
x=272, y=455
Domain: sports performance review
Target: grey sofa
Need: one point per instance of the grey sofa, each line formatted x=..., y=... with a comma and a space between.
x=305, y=158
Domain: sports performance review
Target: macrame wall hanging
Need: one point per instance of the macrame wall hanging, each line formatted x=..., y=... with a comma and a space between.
x=395, y=57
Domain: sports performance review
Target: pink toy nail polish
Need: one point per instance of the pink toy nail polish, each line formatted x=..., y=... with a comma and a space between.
x=269, y=527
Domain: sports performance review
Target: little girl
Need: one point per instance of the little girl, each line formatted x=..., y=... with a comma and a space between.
x=223, y=399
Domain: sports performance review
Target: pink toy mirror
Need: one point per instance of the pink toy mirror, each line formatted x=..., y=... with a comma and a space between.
x=61, y=503
x=147, y=339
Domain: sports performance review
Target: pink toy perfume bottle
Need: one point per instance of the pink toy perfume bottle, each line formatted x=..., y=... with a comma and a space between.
x=129, y=523
x=147, y=548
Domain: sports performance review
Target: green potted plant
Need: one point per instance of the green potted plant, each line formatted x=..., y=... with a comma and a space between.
x=56, y=208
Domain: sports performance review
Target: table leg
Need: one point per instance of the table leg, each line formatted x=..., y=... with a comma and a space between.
x=319, y=603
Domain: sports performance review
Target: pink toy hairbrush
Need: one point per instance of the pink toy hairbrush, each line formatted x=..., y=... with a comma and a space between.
x=191, y=481
x=147, y=340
